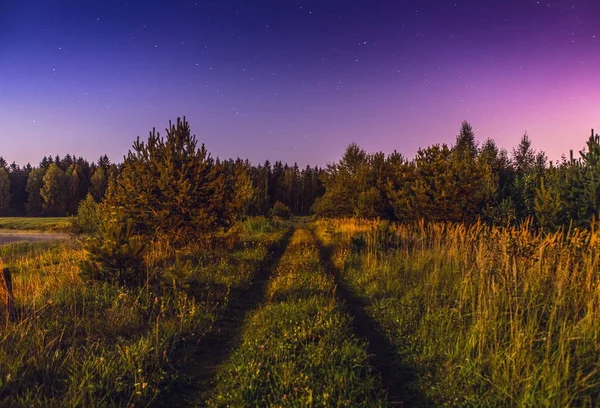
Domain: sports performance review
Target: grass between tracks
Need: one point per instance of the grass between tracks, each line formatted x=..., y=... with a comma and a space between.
x=298, y=349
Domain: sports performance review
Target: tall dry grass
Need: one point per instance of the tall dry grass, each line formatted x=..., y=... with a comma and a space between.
x=486, y=316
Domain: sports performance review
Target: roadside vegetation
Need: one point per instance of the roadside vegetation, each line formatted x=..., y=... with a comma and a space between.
x=485, y=316
x=99, y=344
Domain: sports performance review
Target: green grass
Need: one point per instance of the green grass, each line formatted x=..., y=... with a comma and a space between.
x=298, y=349
x=485, y=316
x=80, y=343
x=49, y=224
x=482, y=316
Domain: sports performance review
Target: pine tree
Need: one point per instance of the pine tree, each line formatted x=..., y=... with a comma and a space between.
x=73, y=193
x=401, y=188
x=343, y=183
x=370, y=204
x=529, y=168
x=170, y=186
x=242, y=192
x=587, y=181
x=548, y=203
x=340, y=195
x=18, y=187
x=523, y=155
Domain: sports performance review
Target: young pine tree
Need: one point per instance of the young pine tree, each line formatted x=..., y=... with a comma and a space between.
x=169, y=186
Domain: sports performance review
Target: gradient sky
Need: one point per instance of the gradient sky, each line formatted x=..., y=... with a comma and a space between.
x=296, y=80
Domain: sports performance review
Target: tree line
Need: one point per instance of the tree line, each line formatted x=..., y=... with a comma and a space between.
x=466, y=182
x=54, y=187
x=57, y=186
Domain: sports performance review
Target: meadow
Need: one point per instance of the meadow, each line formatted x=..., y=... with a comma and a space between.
x=328, y=312
x=483, y=316
x=81, y=343
x=47, y=224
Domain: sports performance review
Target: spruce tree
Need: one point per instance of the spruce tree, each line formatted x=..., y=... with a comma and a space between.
x=466, y=147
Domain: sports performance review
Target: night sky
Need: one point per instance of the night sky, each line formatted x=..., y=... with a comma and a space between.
x=296, y=80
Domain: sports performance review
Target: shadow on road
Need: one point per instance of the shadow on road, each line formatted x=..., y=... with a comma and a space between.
x=395, y=377
x=201, y=361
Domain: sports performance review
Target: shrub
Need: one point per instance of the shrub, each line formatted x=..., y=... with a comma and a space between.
x=257, y=224
x=280, y=210
x=87, y=220
x=115, y=253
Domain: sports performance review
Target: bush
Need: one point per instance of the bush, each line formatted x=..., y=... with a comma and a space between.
x=115, y=253
x=280, y=210
x=258, y=224
x=87, y=220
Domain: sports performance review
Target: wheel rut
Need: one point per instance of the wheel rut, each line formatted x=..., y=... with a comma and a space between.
x=395, y=377
x=202, y=360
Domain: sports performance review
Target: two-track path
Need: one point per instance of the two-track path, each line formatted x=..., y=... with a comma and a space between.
x=205, y=358
x=394, y=375
x=217, y=346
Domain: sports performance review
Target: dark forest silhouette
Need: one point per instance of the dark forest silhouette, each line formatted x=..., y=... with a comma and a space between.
x=463, y=183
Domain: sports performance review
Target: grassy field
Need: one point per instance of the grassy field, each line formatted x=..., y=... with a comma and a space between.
x=80, y=343
x=49, y=224
x=484, y=316
x=461, y=315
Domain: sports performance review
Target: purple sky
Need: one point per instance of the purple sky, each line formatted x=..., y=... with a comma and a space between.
x=296, y=80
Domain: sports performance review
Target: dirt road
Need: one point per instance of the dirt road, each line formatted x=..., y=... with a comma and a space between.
x=9, y=237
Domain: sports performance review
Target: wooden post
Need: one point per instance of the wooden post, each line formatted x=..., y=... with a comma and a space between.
x=12, y=310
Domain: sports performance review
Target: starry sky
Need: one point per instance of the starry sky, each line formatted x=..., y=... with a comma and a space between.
x=296, y=80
